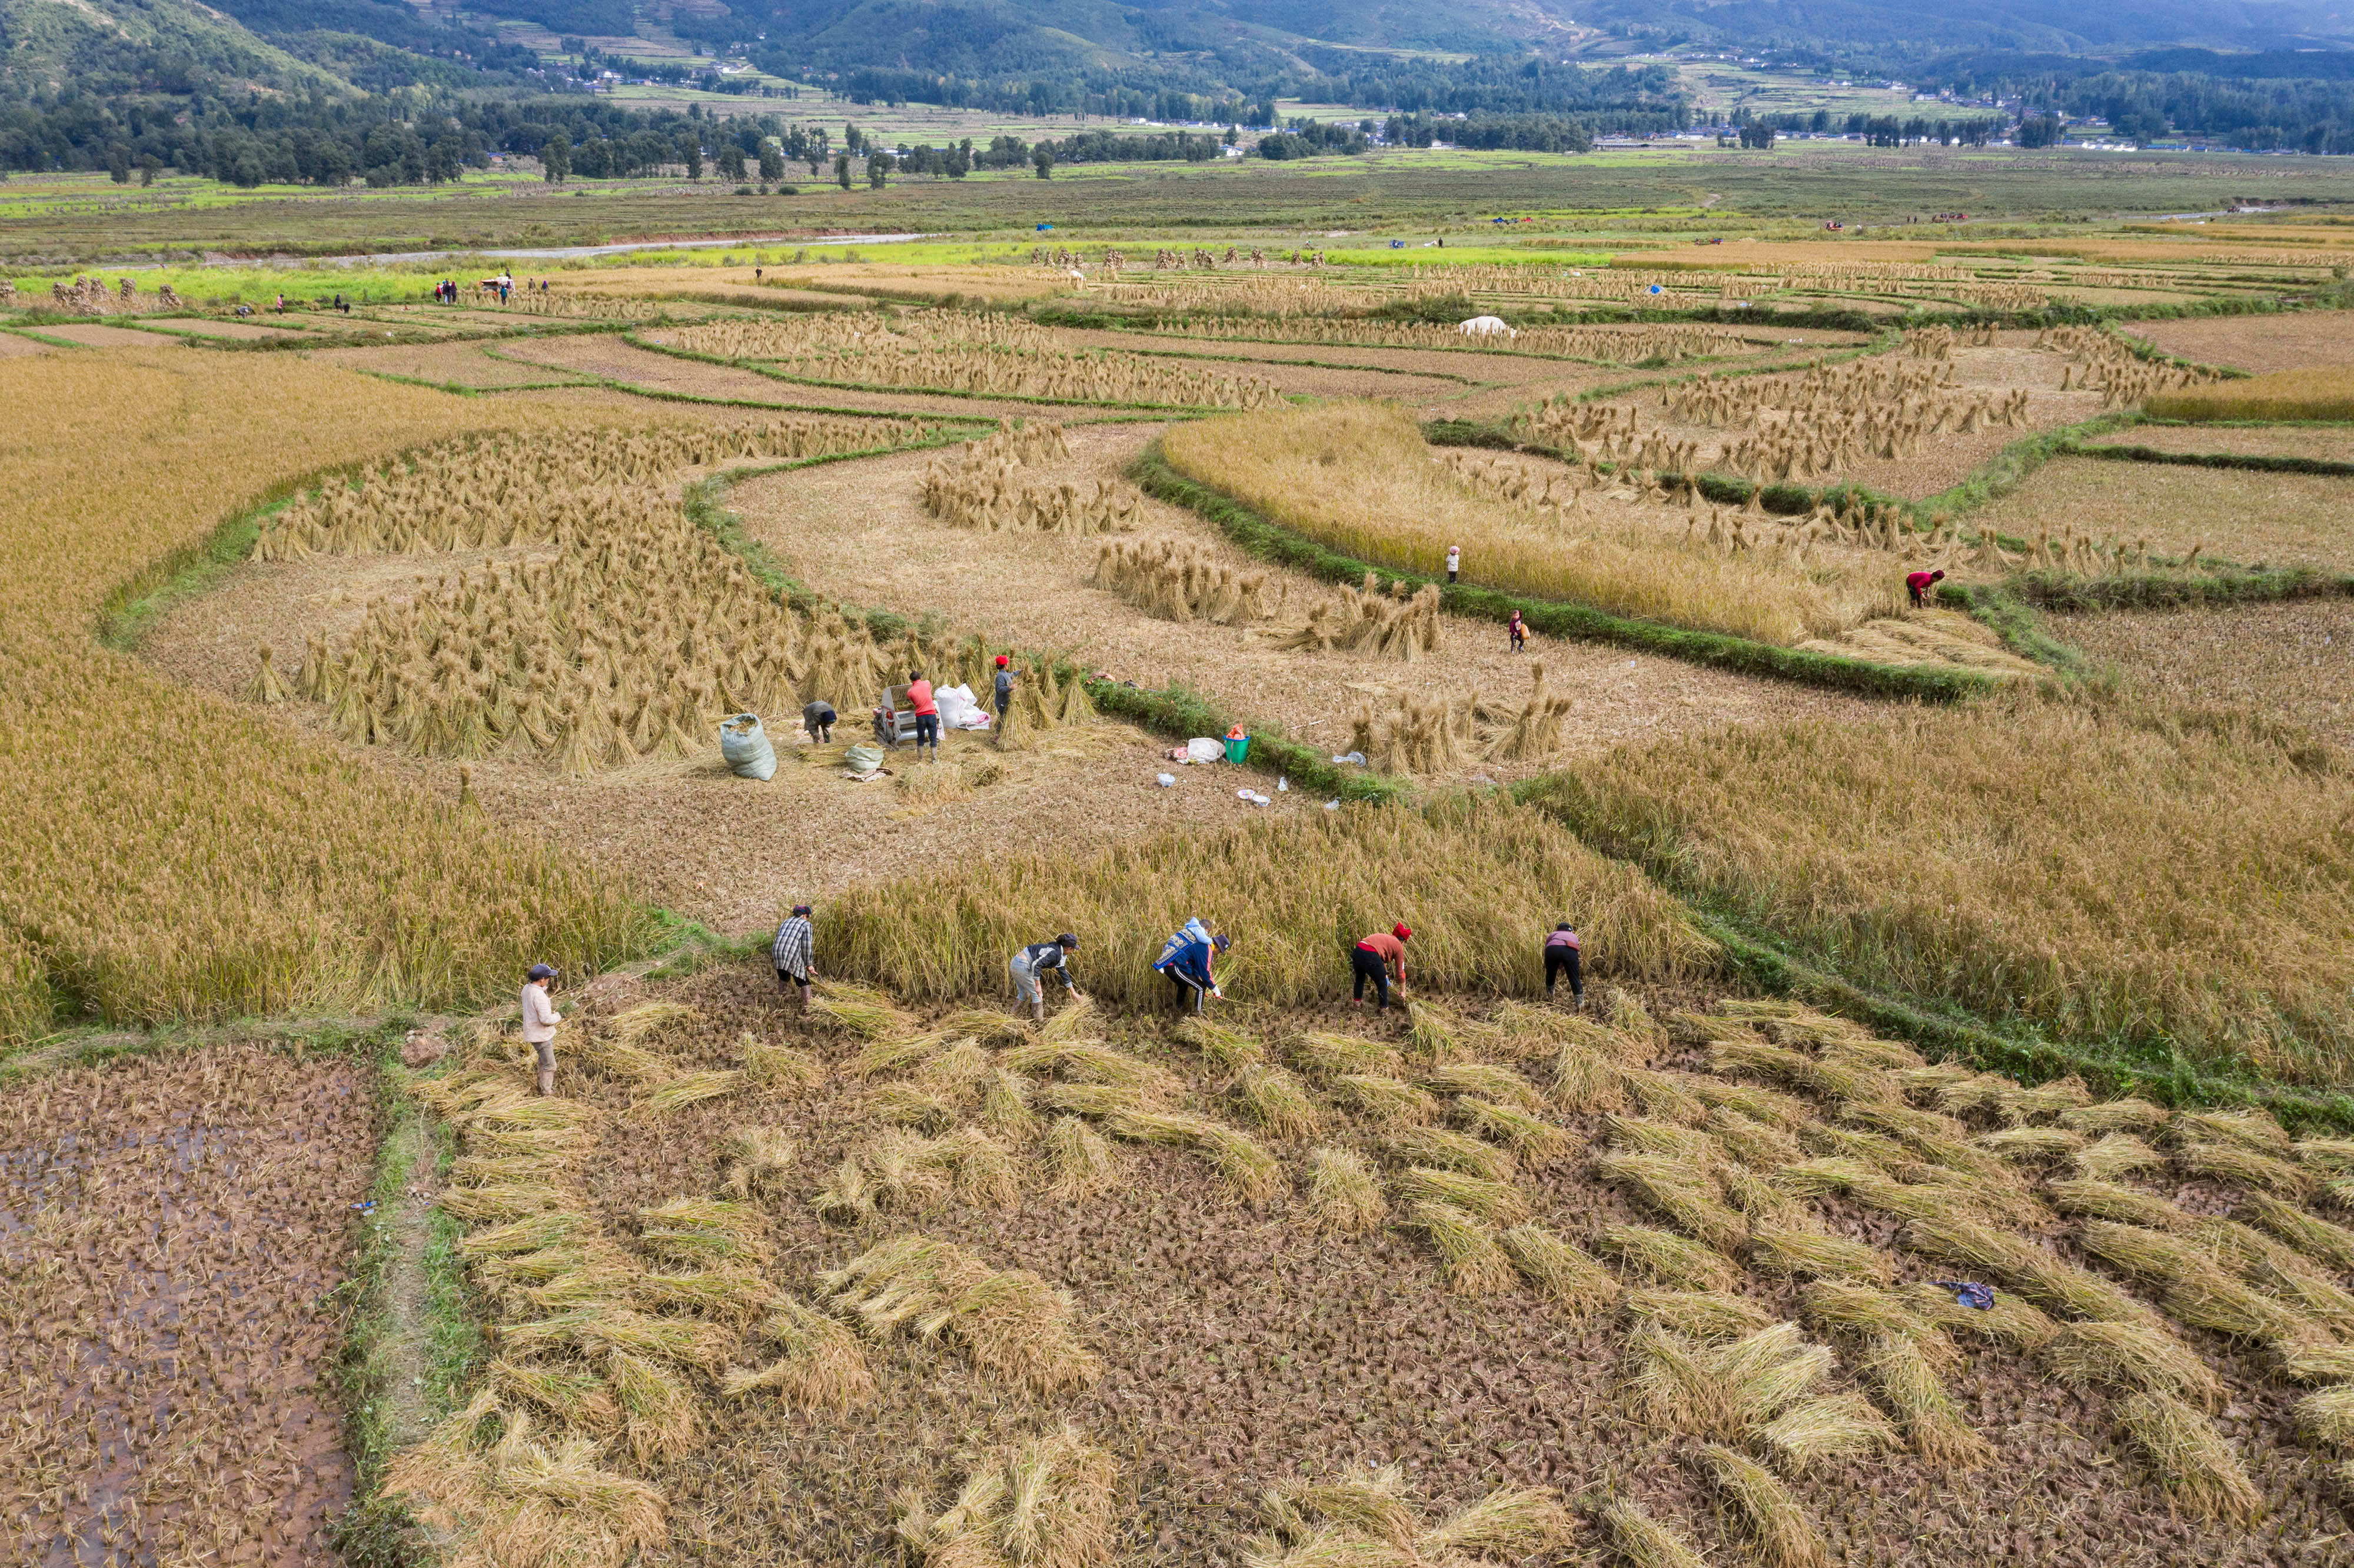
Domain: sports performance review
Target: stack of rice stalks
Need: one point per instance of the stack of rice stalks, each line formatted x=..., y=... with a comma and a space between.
x=1642, y=345
x=985, y=498
x=634, y=642
x=1392, y=625
x=484, y=493
x=985, y=355
x=1046, y=1504
x=1365, y=1515
x=1448, y=735
x=1183, y=581
x=2103, y=361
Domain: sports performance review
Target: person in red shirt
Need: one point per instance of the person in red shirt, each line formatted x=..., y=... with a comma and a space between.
x=1918, y=584
x=1380, y=957
x=928, y=714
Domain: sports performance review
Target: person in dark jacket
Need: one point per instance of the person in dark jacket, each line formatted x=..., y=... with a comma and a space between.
x=1190, y=961
x=1039, y=958
x=818, y=719
x=1561, y=959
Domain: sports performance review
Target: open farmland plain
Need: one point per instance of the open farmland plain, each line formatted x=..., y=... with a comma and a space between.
x=350, y=663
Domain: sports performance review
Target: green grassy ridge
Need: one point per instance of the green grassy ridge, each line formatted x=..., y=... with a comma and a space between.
x=1180, y=711
x=757, y=369
x=2058, y=590
x=376, y=1531
x=2253, y=461
x=2003, y=613
x=413, y=337
x=459, y=390
x=2151, y=1066
x=1270, y=541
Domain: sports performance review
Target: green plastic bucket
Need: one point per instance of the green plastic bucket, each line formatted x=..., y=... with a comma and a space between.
x=1237, y=747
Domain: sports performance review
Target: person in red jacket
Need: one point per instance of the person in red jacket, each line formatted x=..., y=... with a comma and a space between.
x=1381, y=957
x=1918, y=584
x=928, y=714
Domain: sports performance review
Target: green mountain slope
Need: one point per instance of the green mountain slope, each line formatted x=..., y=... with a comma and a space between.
x=125, y=45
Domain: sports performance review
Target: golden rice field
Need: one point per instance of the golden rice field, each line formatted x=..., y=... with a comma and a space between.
x=2322, y=392
x=2106, y=870
x=2241, y=516
x=1360, y=478
x=194, y=862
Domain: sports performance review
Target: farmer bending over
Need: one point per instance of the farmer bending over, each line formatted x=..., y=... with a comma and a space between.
x=539, y=1021
x=1027, y=963
x=819, y=719
x=1561, y=957
x=1918, y=584
x=1378, y=958
x=795, y=948
x=1189, y=958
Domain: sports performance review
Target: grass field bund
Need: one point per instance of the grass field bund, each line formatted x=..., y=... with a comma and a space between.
x=351, y=663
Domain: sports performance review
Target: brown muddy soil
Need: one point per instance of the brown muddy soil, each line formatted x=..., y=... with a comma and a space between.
x=172, y=1230
x=1242, y=1347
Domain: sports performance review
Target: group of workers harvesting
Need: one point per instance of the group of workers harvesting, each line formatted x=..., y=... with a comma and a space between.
x=1189, y=961
x=1189, y=958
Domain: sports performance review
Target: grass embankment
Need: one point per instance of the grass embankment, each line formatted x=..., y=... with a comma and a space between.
x=187, y=860
x=1359, y=477
x=411, y=1340
x=2170, y=887
x=2318, y=392
x=1479, y=880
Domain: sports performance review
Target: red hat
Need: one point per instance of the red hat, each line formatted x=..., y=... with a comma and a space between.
x=1002, y=661
x=1401, y=930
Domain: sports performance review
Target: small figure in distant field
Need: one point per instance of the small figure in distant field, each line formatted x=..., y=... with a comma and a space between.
x=1378, y=958
x=794, y=953
x=1189, y=958
x=818, y=719
x=1520, y=630
x=928, y=714
x=1453, y=560
x=1918, y=584
x=1561, y=956
x=756, y=274
x=1003, y=693
x=539, y=1021
x=282, y=304
x=1027, y=964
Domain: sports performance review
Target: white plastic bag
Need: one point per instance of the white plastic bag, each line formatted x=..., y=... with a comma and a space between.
x=1200, y=750
x=958, y=710
x=746, y=749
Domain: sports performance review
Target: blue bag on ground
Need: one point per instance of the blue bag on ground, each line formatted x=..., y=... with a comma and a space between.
x=745, y=748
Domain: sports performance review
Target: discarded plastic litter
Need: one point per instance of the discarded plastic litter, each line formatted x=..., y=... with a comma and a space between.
x=1168, y=780
x=1332, y=805
x=1356, y=757
x=1282, y=785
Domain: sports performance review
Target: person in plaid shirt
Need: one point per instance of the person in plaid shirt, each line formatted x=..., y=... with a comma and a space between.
x=796, y=945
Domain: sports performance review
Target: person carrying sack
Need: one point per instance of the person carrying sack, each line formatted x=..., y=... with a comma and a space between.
x=1027, y=964
x=793, y=952
x=1561, y=956
x=1190, y=961
x=539, y=1021
x=1376, y=958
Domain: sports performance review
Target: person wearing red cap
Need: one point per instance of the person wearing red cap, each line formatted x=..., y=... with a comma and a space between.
x=1380, y=959
x=1004, y=693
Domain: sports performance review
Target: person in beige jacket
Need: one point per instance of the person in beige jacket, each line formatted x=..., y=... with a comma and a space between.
x=539, y=1021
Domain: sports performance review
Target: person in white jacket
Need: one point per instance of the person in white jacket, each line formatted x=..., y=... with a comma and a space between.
x=539, y=1021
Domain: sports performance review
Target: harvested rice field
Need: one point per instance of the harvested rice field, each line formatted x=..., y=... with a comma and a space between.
x=859, y=530
x=2291, y=663
x=611, y=359
x=2329, y=443
x=466, y=365
x=174, y=1230
x=2237, y=515
x=1674, y=1268
x=90, y=336
x=2289, y=341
